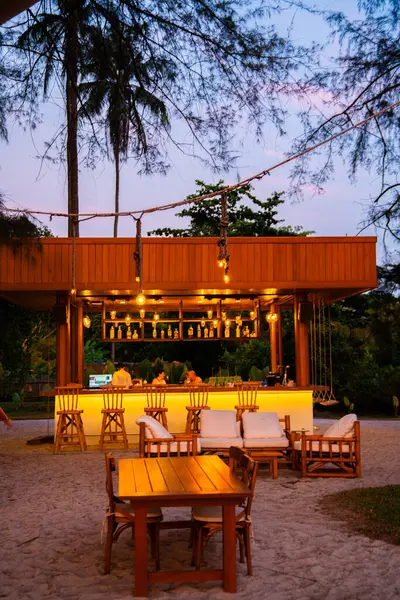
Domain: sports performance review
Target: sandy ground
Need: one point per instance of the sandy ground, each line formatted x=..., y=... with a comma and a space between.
x=52, y=506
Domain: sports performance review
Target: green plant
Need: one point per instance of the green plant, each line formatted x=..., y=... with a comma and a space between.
x=256, y=374
x=146, y=370
x=349, y=405
x=395, y=406
x=16, y=400
x=109, y=369
x=177, y=370
x=93, y=352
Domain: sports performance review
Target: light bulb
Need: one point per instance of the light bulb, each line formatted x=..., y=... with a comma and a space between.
x=227, y=323
x=156, y=316
x=86, y=321
x=154, y=323
x=203, y=323
x=221, y=263
x=215, y=323
x=226, y=278
x=137, y=279
x=210, y=314
x=140, y=298
x=142, y=313
x=73, y=291
x=252, y=315
x=113, y=314
x=128, y=319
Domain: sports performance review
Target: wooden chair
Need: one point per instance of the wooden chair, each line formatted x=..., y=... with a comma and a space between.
x=120, y=516
x=155, y=398
x=179, y=444
x=280, y=453
x=247, y=396
x=320, y=456
x=113, y=425
x=69, y=431
x=208, y=519
x=198, y=398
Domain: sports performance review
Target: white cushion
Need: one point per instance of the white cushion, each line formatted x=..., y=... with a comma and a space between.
x=325, y=447
x=261, y=425
x=152, y=513
x=173, y=447
x=213, y=514
x=218, y=424
x=341, y=428
x=152, y=425
x=278, y=442
x=220, y=442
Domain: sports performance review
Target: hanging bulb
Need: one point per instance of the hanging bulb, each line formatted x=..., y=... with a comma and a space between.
x=210, y=314
x=252, y=315
x=223, y=315
x=73, y=291
x=128, y=319
x=153, y=324
x=203, y=323
x=215, y=323
x=227, y=323
x=113, y=314
x=86, y=321
x=156, y=316
x=140, y=298
x=226, y=278
x=142, y=313
x=137, y=279
x=221, y=263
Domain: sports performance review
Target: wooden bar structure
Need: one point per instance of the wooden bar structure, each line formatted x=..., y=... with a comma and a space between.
x=280, y=272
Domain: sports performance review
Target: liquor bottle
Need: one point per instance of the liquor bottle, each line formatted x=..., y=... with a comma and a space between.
x=227, y=332
x=198, y=331
x=162, y=334
x=119, y=332
x=129, y=333
x=176, y=334
x=169, y=332
x=135, y=334
x=154, y=332
x=238, y=331
x=112, y=332
x=211, y=331
x=206, y=332
x=190, y=331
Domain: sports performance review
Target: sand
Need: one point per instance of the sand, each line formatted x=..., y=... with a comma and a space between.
x=52, y=506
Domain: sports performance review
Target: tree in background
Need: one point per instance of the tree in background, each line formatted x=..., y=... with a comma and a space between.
x=243, y=220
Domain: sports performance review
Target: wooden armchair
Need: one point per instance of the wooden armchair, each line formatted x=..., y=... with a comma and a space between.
x=207, y=520
x=330, y=454
x=121, y=516
x=155, y=440
x=267, y=438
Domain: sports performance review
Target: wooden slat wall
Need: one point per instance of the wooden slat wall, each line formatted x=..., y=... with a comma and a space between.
x=190, y=263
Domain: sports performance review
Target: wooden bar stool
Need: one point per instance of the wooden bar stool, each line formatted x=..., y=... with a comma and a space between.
x=155, y=397
x=69, y=430
x=198, y=401
x=247, y=394
x=113, y=424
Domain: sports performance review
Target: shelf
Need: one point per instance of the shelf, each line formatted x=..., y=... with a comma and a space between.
x=158, y=339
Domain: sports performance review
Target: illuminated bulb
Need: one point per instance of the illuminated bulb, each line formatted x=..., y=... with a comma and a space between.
x=221, y=263
x=73, y=291
x=137, y=279
x=272, y=317
x=128, y=319
x=210, y=314
x=142, y=313
x=226, y=278
x=153, y=324
x=215, y=323
x=227, y=323
x=113, y=314
x=252, y=315
x=156, y=317
x=86, y=321
x=203, y=323
x=140, y=298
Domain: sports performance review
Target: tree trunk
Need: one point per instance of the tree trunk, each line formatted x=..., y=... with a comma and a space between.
x=72, y=120
x=117, y=169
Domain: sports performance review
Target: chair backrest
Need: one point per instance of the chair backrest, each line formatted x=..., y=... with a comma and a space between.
x=155, y=396
x=218, y=424
x=248, y=468
x=198, y=395
x=113, y=396
x=68, y=396
x=110, y=468
x=235, y=455
x=247, y=394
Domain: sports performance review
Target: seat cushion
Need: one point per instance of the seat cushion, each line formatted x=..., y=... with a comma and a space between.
x=277, y=442
x=325, y=447
x=152, y=513
x=217, y=442
x=213, y=514
x=154, y=429
x=342, y=428
x=218, y=424
x=173, y=447
x=261, y=425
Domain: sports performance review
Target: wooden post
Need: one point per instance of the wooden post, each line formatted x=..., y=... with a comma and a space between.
x=279, y=335
x=63, y=362
x=301, y=345
x=79, y=344
x=273, y=340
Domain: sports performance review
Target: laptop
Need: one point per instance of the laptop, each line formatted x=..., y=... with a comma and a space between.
x=96, y=381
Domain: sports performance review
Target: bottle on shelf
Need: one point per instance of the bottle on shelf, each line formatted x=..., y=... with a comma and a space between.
x=154, y=332
x=119, y=333
x=238, y=330
x=112, y=332
x=206, y=331
x=135, y=334
x=211, y=331
x=129, y=333
x=190, y=331
x=162, y=334
x=169, y=332
x=176, y=334
x=198, y=331
x=227, y=331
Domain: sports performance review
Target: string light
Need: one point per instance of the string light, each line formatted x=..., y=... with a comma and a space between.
x=113, y=314
x=272, y=317
x=142, y=313
x=86, y=321
x=140, y=298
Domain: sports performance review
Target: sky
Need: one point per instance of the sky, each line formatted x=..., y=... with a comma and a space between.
x=28, y=183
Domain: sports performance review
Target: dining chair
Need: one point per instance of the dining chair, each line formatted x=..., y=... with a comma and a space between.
x=121, y=516
x=198, y=401
x=113, y=424
x=155, y=398
x=69, y=431
x=247, y=397
x=208, y=519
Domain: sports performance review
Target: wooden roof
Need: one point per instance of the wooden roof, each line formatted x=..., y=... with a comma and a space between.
x=332, y=267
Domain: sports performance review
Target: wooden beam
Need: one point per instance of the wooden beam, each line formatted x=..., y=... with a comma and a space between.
x=302, y=358
x=63, y=352
x=11, y=8
x=273, y=340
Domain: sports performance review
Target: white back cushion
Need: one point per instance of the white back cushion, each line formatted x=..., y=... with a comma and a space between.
x=154, y=427
x=261, y=425
x=342, y=428
x=218, y=424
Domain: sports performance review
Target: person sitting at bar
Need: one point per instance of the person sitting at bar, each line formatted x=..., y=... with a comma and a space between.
x=121, y=377
x=192, y=378
x=160, y=379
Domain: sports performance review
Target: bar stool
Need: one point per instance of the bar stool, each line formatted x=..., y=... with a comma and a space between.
x=247, y=394
x=113, y=424
x=198, y=401
x=155, y=397
x=69, y=430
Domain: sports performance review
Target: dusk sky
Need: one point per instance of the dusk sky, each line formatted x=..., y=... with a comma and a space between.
x=340, y=211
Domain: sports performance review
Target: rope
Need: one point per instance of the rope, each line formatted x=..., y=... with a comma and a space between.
x=137, y=255
x=223, y=255
x=225, y=190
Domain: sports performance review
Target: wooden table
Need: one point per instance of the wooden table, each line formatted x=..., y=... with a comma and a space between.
x=186, y=481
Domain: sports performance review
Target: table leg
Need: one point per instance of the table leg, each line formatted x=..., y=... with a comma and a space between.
x=229, y=526
x=274, y=465
x=140, y=568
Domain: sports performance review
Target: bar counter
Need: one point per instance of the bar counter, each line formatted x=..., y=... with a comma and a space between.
x=294, y=401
